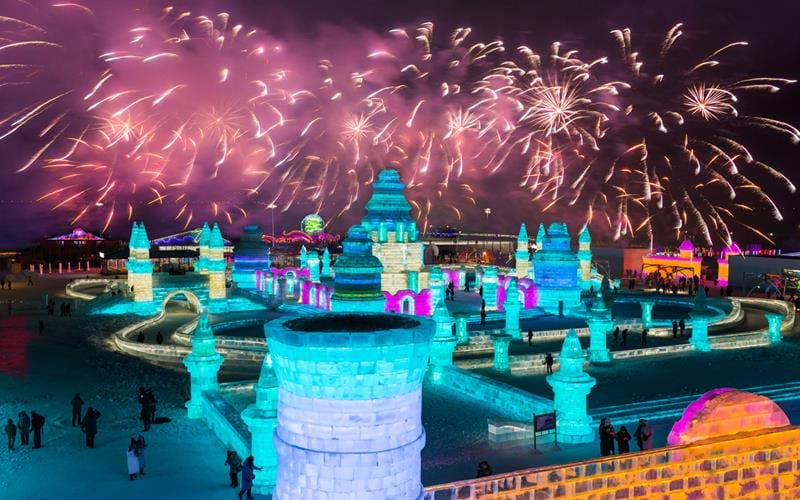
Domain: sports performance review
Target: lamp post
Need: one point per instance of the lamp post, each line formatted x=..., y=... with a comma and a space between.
x=487, y=211
x=272, y=207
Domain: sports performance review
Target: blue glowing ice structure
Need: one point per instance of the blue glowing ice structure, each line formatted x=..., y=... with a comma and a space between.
x=462, y=336
x=444, y=342
x=462, y=277
x=774, y=320
x=326, y=264
x=312, y=260
x=599, y=322
x=701, y=315
x=585, y=258
x=522, y=254
x=140, y=269
x=303, y=257
x=501, y=342
x=478, y=277
x=349, y=405
x=357, y=283
x=647, y=312
x=571, y=386
x=262, y=420
x=437, y=285
x=203, y=363
x=512, y=307
x=556, y=268
x=490, y=288
x=202, y=249
x=250, y=257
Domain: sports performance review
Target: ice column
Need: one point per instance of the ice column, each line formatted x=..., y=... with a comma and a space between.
x=436, y=283
x=490, y=288
x=600, y=323
x=140, y=268
x=444, y=343
x=326, y=264
x=774, y=330
x=647, y=313
x=700, y=315
x=512, y=306
x=571, y=385
x=312, y=260
x=501, y=341
x=522, y=254
x=462, y=336
x=203, y=363
x=349, y=405
x=262, y=419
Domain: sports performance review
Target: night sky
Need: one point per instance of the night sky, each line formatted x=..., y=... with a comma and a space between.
x=769, y=27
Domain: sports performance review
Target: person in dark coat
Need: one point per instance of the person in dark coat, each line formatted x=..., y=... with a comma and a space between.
x=530, y=337
x=159, y=338
x=89, y=426
x=140, y=338
x=37, y=421
x=616, y=335
x=11, y=432
x=144, y=415
x=674, y=329
x=234, y=464
x=625, y=338
x=151, y=404
x=607, y=436
x=24, y=426
x=623, y=438
x=77, y=405
x=682, y=326
x=248, y=475
x=644, y=337
x=483, y=316
x=548, y=361
x=484, y=469
x=644, y=435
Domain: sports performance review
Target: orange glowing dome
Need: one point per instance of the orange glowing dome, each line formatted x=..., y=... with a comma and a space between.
x=725, y=412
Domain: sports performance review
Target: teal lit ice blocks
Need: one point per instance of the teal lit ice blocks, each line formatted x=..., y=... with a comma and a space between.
x=349, y=404
x=774, y=321
x=571, y=387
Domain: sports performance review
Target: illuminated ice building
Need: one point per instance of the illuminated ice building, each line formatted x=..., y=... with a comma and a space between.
x=250, y=256
x=357, y=276
x=394, y=235
x=140, y=269
x=556, y=270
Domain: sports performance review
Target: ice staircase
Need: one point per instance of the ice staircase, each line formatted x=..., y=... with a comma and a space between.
x=674, y=407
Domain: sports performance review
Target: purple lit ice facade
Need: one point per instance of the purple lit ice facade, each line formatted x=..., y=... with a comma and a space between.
x=409, y=302
x=349, y=405
x=529, y=295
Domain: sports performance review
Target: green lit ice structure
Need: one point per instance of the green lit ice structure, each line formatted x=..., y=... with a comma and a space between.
x=357, y=281
x=571, y=385
x=556, y=270
x=349, y=405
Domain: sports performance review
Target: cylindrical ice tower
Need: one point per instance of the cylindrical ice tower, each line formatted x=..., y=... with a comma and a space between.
x=349, y=405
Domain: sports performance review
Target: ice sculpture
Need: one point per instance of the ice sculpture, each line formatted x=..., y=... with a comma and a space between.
x=774, y=321
x=203, y=363
x=250, y=256
x=489, y=284
x=556, y=268
x=512, y=305
x=522, y=254
x=700, y=314
x=600, y=323
x=357, y=284
x=444, y=342
x=349, y=405
x=262, y=419
x=571, y=386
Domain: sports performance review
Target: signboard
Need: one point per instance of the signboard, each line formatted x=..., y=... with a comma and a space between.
x=546, y=422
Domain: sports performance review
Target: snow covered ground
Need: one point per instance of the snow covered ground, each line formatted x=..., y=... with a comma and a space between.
x=185, y=460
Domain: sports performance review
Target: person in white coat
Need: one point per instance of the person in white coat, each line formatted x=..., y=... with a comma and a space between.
x=133, y=463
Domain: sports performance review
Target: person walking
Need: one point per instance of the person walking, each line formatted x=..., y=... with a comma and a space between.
x=89, y=426
x=11, y=432
x=140, y=338
x=625, y=338
x=144, y=415
x=548, y=360
x=159, y=338
x=608, y=435
x=674, y=329
x=234, y=464
x=644, y=337
x=682, y=326
x=530, y=337
x=139, y=445
x=133, y=462
x=616, y=335
x=37, y=421
x=483, y=315
x=151, y=403
x=623, y=440
x=24, y=426
x=248, y=475
x=644, y=435
x=77, y=405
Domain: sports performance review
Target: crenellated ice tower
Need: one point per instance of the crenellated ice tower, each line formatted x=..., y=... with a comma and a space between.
x=202, y=249
x=349, y=405
x=250, y=257
x=394, y=235
x=523, y=254
x=140, y=269
x=585, y=258
x=216, y=271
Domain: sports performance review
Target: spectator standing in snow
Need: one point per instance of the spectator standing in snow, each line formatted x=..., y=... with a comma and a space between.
x=11, y=432
x=644, y=337
x=625, y=338
x=682, y=325
x=145, y=416
x=484, y=469
x=674, y=329
x=77, y=405
x=151, y=404
x=24, y=425
x=644, y=435
x=159, y=338
x=234, y=464
x=38, y=425
x=139, y=445
x=616, y=335
x=140, y=338
x=530, y=337
x=133, y=462
x=248, y=474
x=548, y=360
x=89, y=426
x=623, y=439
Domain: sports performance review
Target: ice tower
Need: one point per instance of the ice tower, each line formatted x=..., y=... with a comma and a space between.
x=349, y=405
x=556, y=269
x=522, y=255
x=216, y=265
x=203, y=364
x=140, y=269
x=202, y=249
x=262, y=419
x=326, y=264
x=250, y=256
x=312, y=261
x=571, y=385
x=444, y=342
x=585, y=258
x=357, y=284
x=394, y=234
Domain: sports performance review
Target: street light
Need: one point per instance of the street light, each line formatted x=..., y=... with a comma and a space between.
x=487, y=211
x=272, y=207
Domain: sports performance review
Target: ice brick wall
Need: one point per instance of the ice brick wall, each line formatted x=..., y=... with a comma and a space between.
x=349, y=408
